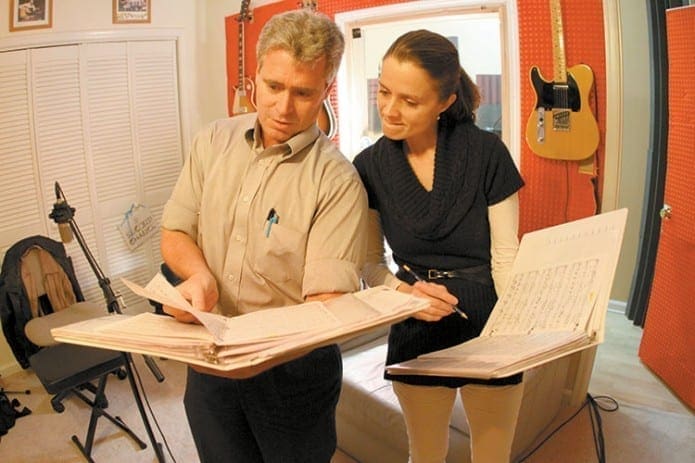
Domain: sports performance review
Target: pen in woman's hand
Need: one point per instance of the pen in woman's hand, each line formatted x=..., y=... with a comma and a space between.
x=417, y=278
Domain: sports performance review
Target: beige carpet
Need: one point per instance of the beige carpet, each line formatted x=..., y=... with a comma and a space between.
x=650, y=426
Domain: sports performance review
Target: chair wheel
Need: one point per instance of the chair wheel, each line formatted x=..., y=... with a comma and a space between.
x=121, y=374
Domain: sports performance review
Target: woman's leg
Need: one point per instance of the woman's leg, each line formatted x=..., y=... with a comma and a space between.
x=492, y=413
x=427, y=412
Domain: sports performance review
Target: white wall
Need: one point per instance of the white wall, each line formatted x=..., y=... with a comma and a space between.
x=202, y=57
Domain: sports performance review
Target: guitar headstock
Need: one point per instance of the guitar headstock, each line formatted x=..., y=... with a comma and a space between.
x=245, y=13
x=313, y=6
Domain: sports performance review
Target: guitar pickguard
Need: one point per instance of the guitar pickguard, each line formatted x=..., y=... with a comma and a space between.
x=550, y=94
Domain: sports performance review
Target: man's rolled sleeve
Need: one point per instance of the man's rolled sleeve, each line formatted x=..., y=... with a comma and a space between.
x=181, y=211
x=331, y=276
x=179, y=218
x=337, y=244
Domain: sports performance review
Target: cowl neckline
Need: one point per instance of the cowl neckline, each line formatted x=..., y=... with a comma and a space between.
x=433, y=214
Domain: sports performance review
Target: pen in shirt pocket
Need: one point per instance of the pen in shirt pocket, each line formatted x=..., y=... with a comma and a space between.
x=417, y=278
x=272, y=218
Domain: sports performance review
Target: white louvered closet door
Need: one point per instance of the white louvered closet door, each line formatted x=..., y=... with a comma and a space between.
x=20, y=211
x=106, y=125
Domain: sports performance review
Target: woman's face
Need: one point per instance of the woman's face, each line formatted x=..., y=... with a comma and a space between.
x=408, y=100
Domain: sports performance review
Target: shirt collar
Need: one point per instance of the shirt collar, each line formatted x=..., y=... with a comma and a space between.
x=286, y=150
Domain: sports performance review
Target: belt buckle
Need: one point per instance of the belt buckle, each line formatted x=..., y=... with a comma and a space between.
x=434, y=274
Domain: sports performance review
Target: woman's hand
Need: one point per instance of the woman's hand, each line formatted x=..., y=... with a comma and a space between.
x=201, y=291
x=442, y=302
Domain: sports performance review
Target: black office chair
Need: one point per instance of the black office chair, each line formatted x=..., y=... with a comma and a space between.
x=39, y=291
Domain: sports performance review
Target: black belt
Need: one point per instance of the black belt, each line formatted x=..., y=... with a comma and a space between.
x=479, y=273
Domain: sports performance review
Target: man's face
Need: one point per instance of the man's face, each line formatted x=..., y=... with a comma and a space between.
x=288, y=95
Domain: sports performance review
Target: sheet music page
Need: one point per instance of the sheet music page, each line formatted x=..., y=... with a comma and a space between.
x=493, y=356
x=160, y=290
x=561, y=276
x=249, y=339
x=506, y=347
x=385, y=300
x=278, y=322
x=261, y=325
x=557, y=297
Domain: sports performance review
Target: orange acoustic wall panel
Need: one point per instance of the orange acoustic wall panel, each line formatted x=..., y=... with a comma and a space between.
x=555, y=191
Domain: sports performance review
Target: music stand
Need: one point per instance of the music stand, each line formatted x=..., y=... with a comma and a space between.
x=62, y=213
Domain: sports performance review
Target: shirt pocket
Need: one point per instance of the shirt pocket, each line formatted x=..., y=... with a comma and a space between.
x=279, y=257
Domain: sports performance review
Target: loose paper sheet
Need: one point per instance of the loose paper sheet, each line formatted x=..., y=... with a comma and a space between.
x=264, y=324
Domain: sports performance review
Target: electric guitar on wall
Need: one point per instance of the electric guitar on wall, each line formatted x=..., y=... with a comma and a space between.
x=326, y=120
x=562, y=125
x=244, y=90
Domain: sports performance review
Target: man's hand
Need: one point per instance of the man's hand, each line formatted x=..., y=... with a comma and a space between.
x=201, y=291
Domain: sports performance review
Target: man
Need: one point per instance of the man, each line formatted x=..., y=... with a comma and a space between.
x=267, y=213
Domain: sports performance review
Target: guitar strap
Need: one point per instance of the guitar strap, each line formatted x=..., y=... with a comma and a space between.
x=588, y=166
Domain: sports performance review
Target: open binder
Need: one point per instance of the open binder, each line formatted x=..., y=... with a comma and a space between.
x=555, y=303
x=230, y=343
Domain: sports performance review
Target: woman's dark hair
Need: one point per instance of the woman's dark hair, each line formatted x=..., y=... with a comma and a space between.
x=440, y=59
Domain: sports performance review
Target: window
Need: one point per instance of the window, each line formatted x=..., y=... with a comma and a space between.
x=479, y=34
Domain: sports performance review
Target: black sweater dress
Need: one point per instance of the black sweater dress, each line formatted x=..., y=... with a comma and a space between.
x=443, y=229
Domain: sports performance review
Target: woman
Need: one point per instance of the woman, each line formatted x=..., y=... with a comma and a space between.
x=445, y=195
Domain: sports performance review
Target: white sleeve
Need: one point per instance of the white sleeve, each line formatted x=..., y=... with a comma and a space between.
x=504, y=239
x=375, y=270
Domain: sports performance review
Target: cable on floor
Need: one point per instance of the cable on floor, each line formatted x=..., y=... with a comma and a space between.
x=595, y=405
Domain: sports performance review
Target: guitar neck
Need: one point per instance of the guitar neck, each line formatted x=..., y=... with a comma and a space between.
x=559, y=61
x=240, y=84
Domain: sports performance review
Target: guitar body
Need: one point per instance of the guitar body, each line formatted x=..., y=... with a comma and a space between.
x=243, y=97
x=562, y=125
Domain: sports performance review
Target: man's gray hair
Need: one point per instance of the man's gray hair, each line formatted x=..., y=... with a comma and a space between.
x=306, y=35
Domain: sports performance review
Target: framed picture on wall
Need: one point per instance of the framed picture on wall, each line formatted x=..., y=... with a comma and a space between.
x=30, y=14
x=131, y=11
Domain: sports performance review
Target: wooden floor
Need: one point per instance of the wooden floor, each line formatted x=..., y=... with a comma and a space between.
x=619, y=372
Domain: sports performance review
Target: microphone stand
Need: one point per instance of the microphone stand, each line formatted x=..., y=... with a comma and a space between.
x=62, y=213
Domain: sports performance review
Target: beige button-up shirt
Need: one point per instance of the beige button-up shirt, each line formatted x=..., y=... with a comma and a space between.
x=229, y=188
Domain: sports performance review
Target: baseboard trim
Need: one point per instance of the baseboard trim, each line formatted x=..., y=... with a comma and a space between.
x=617, y=306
